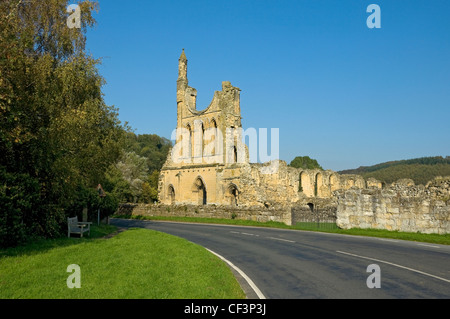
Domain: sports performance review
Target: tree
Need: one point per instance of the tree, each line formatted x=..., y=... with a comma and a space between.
x=149, y=193
x=134, y=171
x=55, y=128
x=150, y=187
x=150, y=146
x=134, y=178
x=305, y=162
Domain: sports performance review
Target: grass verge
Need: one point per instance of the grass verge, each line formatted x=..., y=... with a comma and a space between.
x=420, y=237
x=135, y=264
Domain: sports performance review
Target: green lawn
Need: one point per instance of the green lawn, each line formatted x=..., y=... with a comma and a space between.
x=135, y=264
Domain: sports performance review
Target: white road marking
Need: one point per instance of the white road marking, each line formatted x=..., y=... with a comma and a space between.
x=396, y=265
x=249, y=281
x=385, y=239
x=275, y=238
x=427, y=245
x=289, y=241
x=242, y=233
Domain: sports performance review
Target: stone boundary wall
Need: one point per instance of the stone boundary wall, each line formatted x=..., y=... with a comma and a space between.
x=402, y=207
x=314, y=209
x=276, y=214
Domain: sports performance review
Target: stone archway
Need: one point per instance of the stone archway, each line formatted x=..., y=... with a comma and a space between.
x=200, y=188
x=214, y=127
x=305, y=184
x=232, y=194
x=189, y=143
x=334, y=183
x=318, y=191
x=171, y=194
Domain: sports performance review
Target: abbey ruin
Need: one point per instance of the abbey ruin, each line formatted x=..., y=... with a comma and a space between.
x=204, y=169
x=208, y=174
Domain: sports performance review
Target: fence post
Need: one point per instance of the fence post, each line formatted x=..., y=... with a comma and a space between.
x=317, y=216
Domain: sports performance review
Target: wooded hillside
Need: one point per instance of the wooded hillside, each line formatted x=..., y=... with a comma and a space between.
x=420, y=170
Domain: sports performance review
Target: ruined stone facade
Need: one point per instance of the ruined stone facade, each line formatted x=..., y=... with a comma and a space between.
x=210, y=165
x=401, y=206
x=208, y=174
x=202, y=171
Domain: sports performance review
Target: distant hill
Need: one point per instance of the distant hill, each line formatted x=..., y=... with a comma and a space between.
x=420, y=170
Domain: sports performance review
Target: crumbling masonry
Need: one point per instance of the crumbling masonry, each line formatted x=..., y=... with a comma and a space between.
x=223, y=175
x=208, y=172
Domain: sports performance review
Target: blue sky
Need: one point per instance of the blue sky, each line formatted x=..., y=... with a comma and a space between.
x=338, y=91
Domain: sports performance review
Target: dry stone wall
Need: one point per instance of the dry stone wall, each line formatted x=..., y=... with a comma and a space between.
x=314, y=209
x=259, y=214
x=403, y=207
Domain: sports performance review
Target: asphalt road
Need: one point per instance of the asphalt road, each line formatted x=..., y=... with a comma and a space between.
x=289, y=264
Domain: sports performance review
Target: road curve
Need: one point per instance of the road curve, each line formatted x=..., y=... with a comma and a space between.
x=291, y=264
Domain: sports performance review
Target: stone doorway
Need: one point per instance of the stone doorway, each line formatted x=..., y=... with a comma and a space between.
x=233, y=195
x=200, y=188
x=171, y=194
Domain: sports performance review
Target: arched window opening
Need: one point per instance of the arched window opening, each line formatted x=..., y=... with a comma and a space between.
x=202, y=141
x=232, y=194
x=200, y=189
x=214, y=126
x=315, y=185
x=189, y=142
x=171, y=194
x=318, y=185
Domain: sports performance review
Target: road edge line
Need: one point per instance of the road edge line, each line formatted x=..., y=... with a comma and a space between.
x=395, y=265
x=247, y=279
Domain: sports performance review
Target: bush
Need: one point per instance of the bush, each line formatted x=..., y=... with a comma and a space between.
x=88, y=198
x=19, y=207
x=305, y=162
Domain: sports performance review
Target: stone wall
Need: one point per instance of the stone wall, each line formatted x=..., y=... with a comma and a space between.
x=402, y=206
x=269, y=184
x=314, y=209
x=277, y=214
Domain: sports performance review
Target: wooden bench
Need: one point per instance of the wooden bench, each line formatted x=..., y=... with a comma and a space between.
x=76, y=227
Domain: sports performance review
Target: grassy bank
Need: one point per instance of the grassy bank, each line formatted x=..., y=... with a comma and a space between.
x=420, y=237
x=137, y=264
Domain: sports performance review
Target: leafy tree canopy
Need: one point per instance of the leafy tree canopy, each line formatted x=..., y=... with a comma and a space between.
x=56, y=132
x=305, y=162
x=134, y=178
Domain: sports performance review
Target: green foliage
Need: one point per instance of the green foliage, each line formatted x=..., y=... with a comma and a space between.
x=305, y=162
x=149, y=193
x=150, y=188
x=134, y=178
x=116, y=184
x=151, y=146
x=56, y=132
x=133, y=169
x=89, y=198
x=23, y=214
x=18, y=200
x=420, y=170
